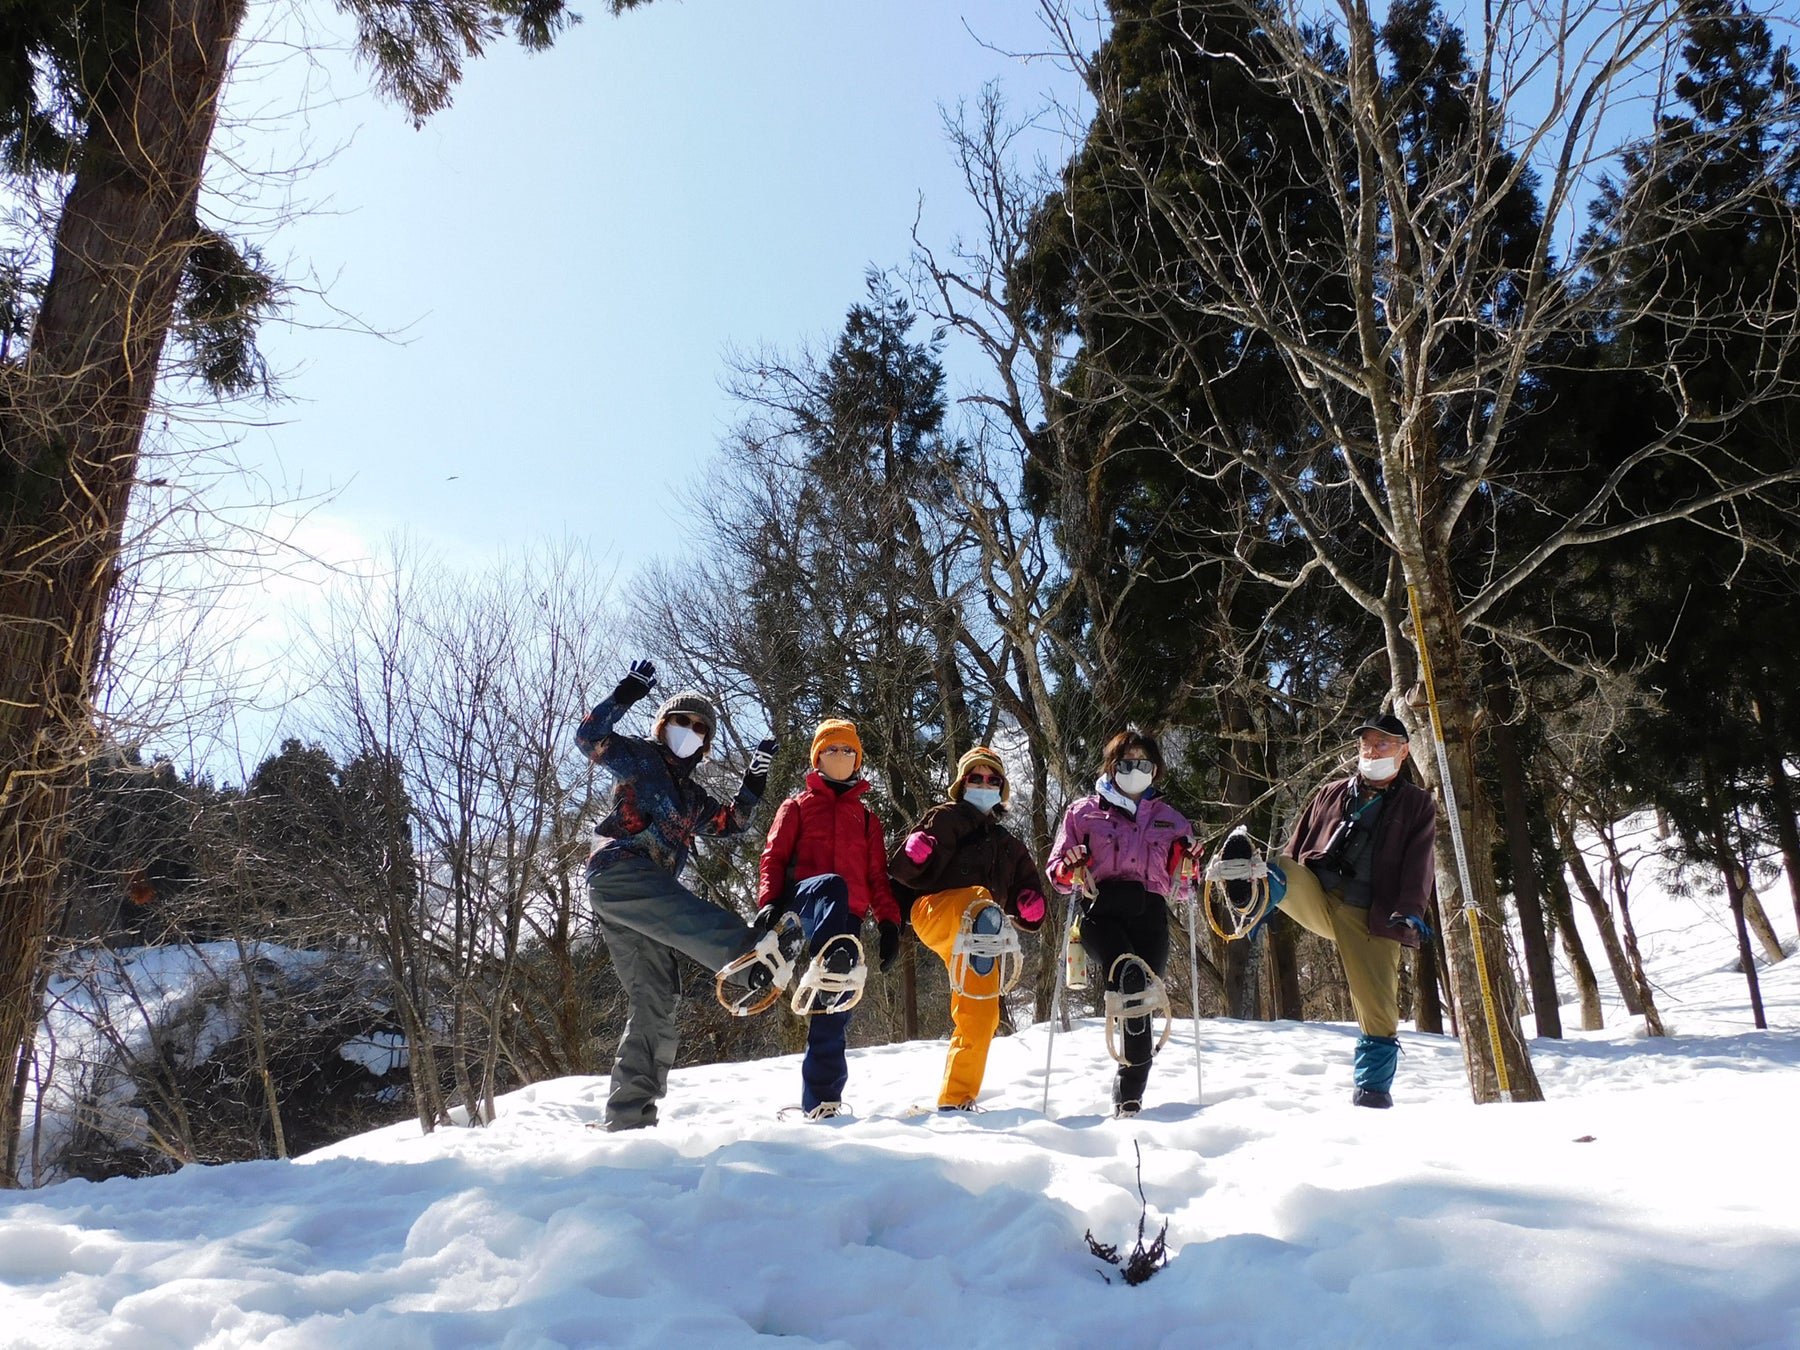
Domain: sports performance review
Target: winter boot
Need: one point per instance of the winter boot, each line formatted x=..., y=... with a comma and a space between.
x=1376, y=1058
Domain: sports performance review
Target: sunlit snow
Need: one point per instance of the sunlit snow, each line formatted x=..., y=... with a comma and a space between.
x=1651, y=1201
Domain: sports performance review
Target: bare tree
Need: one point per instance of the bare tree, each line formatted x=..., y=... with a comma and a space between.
x=1412, y=345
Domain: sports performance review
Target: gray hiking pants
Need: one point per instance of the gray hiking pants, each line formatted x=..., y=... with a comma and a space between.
x=647, y=917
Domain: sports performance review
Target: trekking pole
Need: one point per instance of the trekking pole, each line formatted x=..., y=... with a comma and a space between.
x=1193, y=905
x=1055, y=1017
x=1082, y=890
x=1462, y=856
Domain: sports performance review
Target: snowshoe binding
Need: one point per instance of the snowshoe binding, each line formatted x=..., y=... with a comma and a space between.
x=985, y=940
x=1134, y=996
x=833, y=982
x=1237, y=887
x=764, y=971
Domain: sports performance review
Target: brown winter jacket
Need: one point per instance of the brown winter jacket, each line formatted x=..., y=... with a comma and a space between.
x=1402, y=870
x=969, y=848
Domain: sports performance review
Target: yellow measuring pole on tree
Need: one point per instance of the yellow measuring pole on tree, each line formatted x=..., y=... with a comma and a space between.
x=1462, y=855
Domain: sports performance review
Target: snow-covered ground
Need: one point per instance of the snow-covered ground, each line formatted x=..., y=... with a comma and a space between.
x=1651, y=1201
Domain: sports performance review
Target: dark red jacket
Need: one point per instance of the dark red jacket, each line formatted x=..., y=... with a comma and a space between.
x=1403, y=868
x=818, y=831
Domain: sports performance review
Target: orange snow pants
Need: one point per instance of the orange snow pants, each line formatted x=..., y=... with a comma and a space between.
x=937, y=918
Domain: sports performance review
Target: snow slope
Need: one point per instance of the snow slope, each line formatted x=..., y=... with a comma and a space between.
x=1650, y=1202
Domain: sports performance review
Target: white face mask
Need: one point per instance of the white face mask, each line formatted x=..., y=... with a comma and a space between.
x=1377, y=770
x=684, y=741
x=982, y=798
x=1133, y=782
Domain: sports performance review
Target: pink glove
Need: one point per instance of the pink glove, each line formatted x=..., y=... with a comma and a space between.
x=918, y=846
x=1031, y=907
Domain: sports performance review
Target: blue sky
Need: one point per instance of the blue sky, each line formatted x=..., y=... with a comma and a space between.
x=563, y=257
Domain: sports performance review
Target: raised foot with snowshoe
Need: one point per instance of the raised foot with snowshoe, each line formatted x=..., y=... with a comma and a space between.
x=986, y=939
x=1236, y=895
x=833, y=981
x=1134, y=996
x=764, y=972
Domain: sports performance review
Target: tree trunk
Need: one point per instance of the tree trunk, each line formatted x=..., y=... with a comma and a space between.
x=1481, y=983
x=1736, y=888
x=1781, y=800
x=1545, y=1001
x=1430, y=1014
x=1757, y=918
x=1603, y=920
x=1562, y=910
x=1285, y=975
x=1653, y=1023
x=72, y=437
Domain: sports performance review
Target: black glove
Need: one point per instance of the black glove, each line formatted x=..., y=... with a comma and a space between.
x=756, y=777
x=639, y=681
x=769, y=914
x=890, y=944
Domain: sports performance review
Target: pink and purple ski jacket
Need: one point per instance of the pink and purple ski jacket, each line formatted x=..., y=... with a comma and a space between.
x=1120, y=844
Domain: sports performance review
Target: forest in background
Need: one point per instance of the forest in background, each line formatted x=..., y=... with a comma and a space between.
x=1329, y=313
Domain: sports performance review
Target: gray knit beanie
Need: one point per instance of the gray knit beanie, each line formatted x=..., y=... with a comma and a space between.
x=692, y=702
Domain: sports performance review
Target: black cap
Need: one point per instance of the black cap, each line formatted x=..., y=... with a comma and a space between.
x=1385, y=722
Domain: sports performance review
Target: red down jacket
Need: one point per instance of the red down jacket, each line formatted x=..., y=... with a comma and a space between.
x=819, y=831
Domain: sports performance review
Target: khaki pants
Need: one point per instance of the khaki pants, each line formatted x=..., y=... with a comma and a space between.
x=937, y=918
x=1371, y=964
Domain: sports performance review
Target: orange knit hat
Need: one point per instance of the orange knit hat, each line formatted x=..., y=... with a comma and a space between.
x=836, y=731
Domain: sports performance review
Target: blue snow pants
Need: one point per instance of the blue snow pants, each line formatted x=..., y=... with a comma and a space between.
x=823, y=905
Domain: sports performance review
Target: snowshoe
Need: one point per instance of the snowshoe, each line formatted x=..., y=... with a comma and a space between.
x=1236, y=895
x=1135, y=995
x=766, y=969
x=985, y=939
x=1126, y=1110
x=833, y=982
x=823, y=1111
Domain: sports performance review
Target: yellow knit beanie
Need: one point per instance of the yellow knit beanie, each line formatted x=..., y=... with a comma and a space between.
x=977, y=757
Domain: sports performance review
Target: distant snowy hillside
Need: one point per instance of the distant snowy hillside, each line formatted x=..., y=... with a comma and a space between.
x=1650, y=1202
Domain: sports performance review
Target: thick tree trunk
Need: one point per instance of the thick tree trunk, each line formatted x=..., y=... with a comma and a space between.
x=1285, y=968
x=1539, y=966
x=1481, y=983
x=72, y=438
x=1602, y=912
x=1430, y=1014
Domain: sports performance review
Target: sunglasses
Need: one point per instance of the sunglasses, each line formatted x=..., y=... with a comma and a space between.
x=984, y=779
x=681, y=719
x=1138, y=765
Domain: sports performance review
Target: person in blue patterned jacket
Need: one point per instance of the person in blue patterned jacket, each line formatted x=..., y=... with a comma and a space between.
x=643, y=911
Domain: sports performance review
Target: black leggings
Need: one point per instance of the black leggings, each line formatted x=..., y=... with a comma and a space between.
x=1126, y=918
